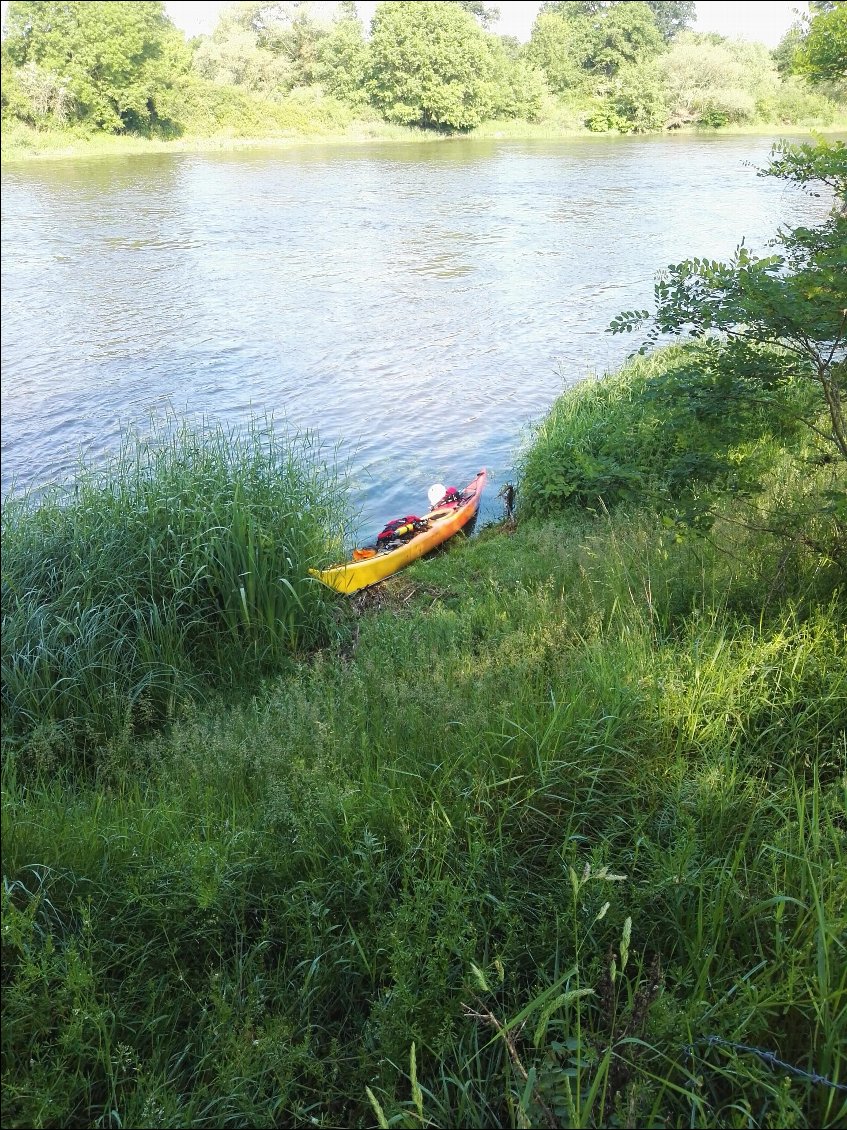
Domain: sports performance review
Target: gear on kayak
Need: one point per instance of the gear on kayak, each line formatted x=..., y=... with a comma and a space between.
x=399, y=530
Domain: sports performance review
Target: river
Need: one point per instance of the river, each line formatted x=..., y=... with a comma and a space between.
x=418, y=304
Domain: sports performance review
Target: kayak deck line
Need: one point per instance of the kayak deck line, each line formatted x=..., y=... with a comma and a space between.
x=442, y=523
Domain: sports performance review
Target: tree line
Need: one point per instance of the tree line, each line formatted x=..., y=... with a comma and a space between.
x=123, y=67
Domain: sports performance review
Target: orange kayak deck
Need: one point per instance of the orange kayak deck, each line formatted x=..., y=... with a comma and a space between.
x=443, y=523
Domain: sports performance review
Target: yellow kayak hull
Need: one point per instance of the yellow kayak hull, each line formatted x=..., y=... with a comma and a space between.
x=443, y=523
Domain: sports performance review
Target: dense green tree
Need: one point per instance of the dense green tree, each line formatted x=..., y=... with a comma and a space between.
x=672, y=16
x=430, y=65
x=301, y=38
x=342, y=61
x=822, y=54
x=243, y=51
x=578, y=44
x=625, y=34
x=269, y=48
x=794, y=299
x=109, y=59
x=559, y=48
x=486, y=14
x=637, y=99
x=518, y=89
x=786, y=49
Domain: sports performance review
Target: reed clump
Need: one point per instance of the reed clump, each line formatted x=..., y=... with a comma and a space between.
x=180, y=564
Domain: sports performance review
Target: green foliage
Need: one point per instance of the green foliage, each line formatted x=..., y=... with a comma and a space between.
x=559, y=47
x=36, y=96
x=271, y=48
x=786, y=49
x=672, y=16
x=237, y=54
x=430, y=65
x=794, y=299
x=805, y=165
x=579, y=45
x=716, y=83
x=517, y=89
x=342, y=62
x=185, y=560
x=110, y=61
x=605, y=56
x=75, y=69
x=637, y=100
x=626, y=34
x=822, y=53
x=675, y=432
x=794, y=101
x=299, y=40
x=486, y=14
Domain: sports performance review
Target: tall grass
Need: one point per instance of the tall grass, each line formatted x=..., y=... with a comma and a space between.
x=253, y=919
x=183, y=562
x=551, y=834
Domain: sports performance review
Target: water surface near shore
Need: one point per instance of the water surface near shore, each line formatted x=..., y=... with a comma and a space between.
x=420, y=305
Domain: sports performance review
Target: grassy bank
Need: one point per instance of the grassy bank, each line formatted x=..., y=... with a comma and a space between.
x=550, y=834
x=22, y=143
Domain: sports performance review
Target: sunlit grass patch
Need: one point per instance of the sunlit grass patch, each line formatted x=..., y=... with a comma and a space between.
x=673, y=430
x=381, y=852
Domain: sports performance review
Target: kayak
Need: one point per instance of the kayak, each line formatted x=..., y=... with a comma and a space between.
x=440, y=524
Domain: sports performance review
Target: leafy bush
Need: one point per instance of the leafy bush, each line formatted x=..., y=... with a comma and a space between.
x=793, y=299
x=715, y=83
x=795, y=101
x=673, y=431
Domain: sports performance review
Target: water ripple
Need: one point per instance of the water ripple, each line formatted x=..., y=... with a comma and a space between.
x=419, y=304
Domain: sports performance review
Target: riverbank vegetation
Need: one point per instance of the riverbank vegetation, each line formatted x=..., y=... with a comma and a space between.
x=184, y=558
x=75, y=72
x=547, y=831
x=553, y=838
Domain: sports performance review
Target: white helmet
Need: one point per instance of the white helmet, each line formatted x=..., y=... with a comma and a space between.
x=435, y=493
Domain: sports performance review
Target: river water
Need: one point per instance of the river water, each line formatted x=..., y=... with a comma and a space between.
x=418, y=304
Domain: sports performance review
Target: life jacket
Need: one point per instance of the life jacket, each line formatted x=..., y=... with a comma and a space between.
x=400, y=529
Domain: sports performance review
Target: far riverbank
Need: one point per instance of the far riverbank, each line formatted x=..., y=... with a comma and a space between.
x=21, y=144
